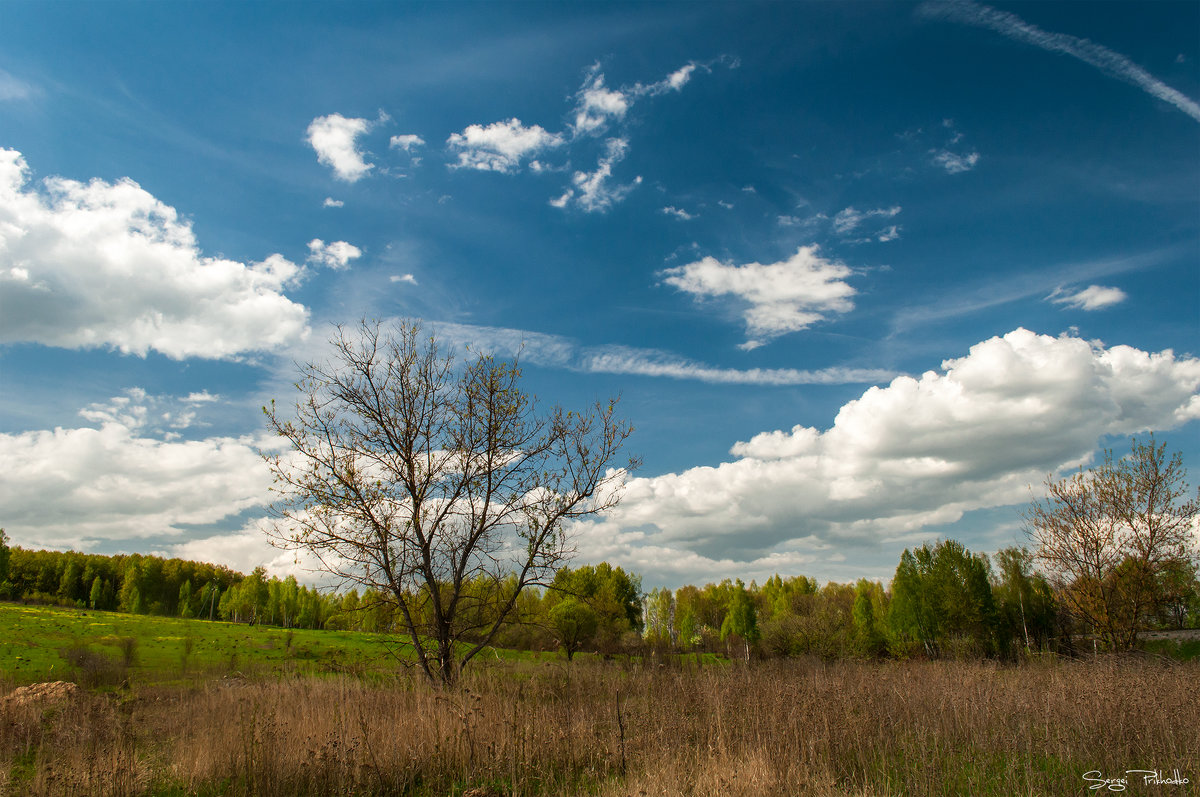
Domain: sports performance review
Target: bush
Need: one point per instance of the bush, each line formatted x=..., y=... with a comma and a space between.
x=90, y=668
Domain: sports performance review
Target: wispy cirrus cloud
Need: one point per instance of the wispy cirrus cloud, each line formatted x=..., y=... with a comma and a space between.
x=599, y=113
x=12, y=88
x=992, y=292
x=678, y=213
x=592, y=191
x=953, y=162
x=849, y=219
x=597, y=105
x=1107, y=61
x=556, y=351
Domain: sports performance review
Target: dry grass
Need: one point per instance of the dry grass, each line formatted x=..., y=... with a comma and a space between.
x=781, y=728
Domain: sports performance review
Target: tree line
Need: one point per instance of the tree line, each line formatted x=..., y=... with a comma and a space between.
x=943, y=601
x=141, y=584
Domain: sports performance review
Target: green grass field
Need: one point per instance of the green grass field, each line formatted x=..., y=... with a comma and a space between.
x=39, y=643
x=37, y=640
x=43, y=643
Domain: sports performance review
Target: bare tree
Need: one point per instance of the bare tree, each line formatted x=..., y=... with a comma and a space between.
x=438, y=483
x=1110, y=536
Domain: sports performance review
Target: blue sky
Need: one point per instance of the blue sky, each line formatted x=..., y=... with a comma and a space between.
x=861, y=273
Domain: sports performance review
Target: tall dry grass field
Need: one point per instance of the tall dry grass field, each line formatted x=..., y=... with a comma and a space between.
x=779, y=728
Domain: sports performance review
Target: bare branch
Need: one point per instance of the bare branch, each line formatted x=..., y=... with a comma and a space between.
x=444, y=487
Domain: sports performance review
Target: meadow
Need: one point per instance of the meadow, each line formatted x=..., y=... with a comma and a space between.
x=39, y=643
x=341, y=720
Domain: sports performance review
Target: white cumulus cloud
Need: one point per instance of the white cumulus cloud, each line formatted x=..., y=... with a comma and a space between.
x=335, y=139
x=407, y=142
x=782, y=297
x=336, y=255
x=501, y=146
x=679, y=78
x=917, y=453
x=596, y=104
x=123, y=481
x=108, y=264
x=1093, y=297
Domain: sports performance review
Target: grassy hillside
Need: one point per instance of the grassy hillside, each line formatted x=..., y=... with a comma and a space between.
x=39, y=643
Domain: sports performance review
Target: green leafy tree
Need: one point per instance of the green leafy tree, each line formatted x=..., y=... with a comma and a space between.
x=574, y=623
x=826, y=623
x=869, y=639
x=257, y=593
x=131, y=597
x=688, y=625
x=786, y=614
x=349, y=610
x=612, y=593
x=289, y=601
x=659, y=622
x=185, y=600
x=742, y=619
x=1024, y=601
x=71, y=580
x=1180, y=594
x=788, y=596
x=96, y=595
x=962, y=593
x=912, y=617
x=943, y=595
